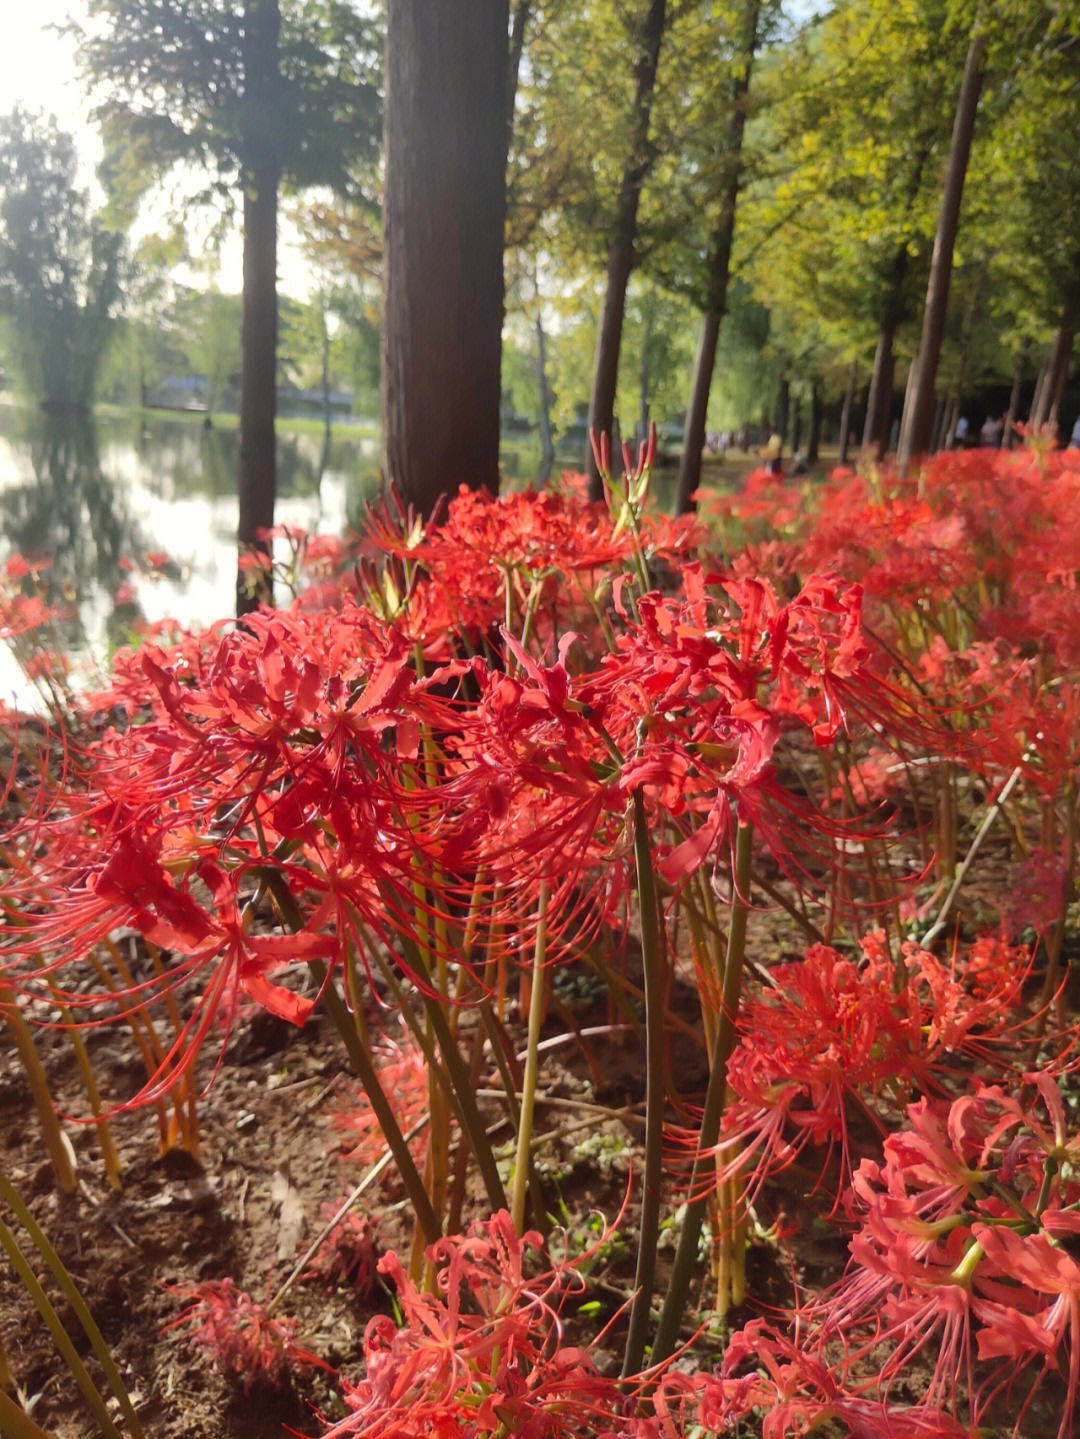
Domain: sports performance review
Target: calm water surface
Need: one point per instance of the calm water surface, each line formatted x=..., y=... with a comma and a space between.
x=96, y=495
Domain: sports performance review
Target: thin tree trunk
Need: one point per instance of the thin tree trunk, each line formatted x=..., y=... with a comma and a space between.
x=547, y=445
x=919, y=401
x=1044, y=410
x=845, y=414
x=782, y=411
x=447, y=72
x=694, y=430
x=643, y=372
x=882, y=379
x=621, y=252
x=813, y=442
x=326, y=377
x=796, y=425
x=258, y=326
x=1013, y=412
x=519, y=25
x=719, y=267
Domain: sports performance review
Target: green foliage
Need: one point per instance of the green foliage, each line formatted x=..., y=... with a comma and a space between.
x=59, y=265
x=183, y=80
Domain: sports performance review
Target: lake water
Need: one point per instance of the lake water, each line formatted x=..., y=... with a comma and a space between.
x=94, y=496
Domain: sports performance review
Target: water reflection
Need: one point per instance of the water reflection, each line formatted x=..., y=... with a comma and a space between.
x=97, y=496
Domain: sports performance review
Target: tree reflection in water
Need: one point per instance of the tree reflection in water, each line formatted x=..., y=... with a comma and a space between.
x=97, y=495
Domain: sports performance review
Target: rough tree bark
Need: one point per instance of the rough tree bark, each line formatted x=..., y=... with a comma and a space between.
x=547, y=443
x=813, y=440
x=919, y=400
x=621, y=252
x=879, y=404
x=719, y=267
x=782, y=409
x=447, y=73
x=1012, y=414
x=845, y=414
x=257, y=482
x=1047, y=402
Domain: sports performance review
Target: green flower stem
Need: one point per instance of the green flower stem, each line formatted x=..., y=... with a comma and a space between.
x=15, y=1423
x=384, y=1113
x=53, y=1322
x=652, y=964
x=61, y=1154
x=459, y=1076
x=532, y=1065
x=674, y=1306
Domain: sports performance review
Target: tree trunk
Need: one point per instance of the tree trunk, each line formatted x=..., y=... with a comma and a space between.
x=643, y=372
x=919, y=401
x=796, y=425
x=258, y=325
x=879, y=399
x=694, y=430
x=621, y=252
x=877, y=429
x=519, y=25
x=719, y=269
x=813, y=442
x=1013, y=412
x=845, y=414
x=547, y=445
x=879, y=404
x=1044, y=410
x=447, y=72
x=782, y=411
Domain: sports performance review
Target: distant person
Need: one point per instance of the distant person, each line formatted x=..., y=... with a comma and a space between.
x=1074, y=438
x=962, y=433
x=773, y=455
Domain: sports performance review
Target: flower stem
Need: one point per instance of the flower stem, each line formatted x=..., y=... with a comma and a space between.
x=380, y=1104
x=645, y=1277
x=674, y=1306
x=532, y=1066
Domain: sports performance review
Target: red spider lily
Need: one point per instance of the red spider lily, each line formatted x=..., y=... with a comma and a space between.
x=828, y=1032
x=240, y=1336
x=403, y=1072
x=1032, y=1308
x=551, y=550
x=483, y=1355
x=286, y=728
x=798, y=1392
x=347, y=1256
x=965, y=1211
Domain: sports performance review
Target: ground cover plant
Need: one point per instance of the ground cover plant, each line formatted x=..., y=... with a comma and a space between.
x=775, y=817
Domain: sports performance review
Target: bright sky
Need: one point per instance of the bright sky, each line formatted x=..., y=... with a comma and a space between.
x=37, y=66
x=38, y=71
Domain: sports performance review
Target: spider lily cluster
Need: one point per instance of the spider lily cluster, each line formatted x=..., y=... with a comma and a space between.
x=543, y=733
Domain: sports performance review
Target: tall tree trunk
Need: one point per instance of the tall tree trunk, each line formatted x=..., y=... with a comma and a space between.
x=519, y=25
x=1044, y=410
x=813, y=442
x=327, y=414
x=719, y=267
x=1013, y=412
x=782, y=409
x=447, y=73
x=621, y=252
x=879, y=398
x=845, y=414
x=643, y=371
x=547, y=445
x=258, y=325
x=882, y=379
x=796, y=425
x=919, y=401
